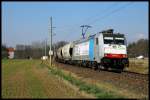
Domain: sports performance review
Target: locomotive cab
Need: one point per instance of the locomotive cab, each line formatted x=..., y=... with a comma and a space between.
x=113, y=50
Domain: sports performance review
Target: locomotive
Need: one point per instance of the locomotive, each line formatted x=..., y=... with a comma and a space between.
x=103, y=50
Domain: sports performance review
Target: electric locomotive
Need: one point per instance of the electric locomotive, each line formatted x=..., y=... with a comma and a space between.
x=105, y=49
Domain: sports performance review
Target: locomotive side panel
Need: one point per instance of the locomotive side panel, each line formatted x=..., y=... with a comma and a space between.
x=84, y=50
x=91, y=49
x=101, y=46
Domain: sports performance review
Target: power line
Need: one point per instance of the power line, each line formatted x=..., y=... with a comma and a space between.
x=117, y=10
x=112, y=12
x=107, y=9
x=106, y=15
x=110, y=7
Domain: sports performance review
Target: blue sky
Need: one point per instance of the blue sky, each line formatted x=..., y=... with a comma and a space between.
x=26, y=22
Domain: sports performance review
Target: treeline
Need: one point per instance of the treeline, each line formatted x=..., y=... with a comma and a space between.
x=36, y=50
x=4, y=51
x=140, y=47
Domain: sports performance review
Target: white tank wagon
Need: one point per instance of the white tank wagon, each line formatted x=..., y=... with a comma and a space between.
x=59, y=53
x=67, y=51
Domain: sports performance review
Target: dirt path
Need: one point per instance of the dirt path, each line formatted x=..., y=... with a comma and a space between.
x=32, y=80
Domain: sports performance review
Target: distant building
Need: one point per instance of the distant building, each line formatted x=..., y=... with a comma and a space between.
x=10, y=52
x=140, y=57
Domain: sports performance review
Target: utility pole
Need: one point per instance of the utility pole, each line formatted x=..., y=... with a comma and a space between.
x=51, y=35
x=50, y=52
x=45, y=46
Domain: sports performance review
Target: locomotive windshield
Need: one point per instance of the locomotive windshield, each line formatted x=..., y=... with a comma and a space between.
x=114, y=40
x=119, y=41
x=108, y=40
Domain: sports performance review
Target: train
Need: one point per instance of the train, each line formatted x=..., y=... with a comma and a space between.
x=103, y=50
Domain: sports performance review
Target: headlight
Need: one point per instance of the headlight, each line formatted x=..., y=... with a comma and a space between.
x=124, y=56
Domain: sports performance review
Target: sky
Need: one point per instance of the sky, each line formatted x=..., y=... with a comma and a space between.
x=27, y=22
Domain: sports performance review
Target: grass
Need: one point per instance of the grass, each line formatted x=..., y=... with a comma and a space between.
x=83, y=86
x=138, y=65
x=35, y=88
x=30, y=79
x=20, y=70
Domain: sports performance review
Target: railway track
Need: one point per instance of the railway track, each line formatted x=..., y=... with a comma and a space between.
x=138, y=76
x=131, y=81
x=126, y=73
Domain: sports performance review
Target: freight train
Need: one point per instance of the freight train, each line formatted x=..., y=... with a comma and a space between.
x=104, y=50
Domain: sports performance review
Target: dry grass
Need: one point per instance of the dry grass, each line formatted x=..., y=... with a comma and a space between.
x=105, y=86
x=124, y=90
x=54, y=87
x=83, y=85
x=12, y=87
x=29, y=79
x=139, y=65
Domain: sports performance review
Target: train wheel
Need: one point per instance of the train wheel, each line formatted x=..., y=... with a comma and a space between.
x=118, y=70
x=100, y=67
x=93, y=68
x=105, y=68
x=96, y=66
x=121, y=69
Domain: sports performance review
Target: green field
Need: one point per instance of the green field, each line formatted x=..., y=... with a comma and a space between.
x=30, y=79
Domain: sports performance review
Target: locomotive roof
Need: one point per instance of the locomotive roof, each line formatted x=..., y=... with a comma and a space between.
x=85, y=39
x=108, y=32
